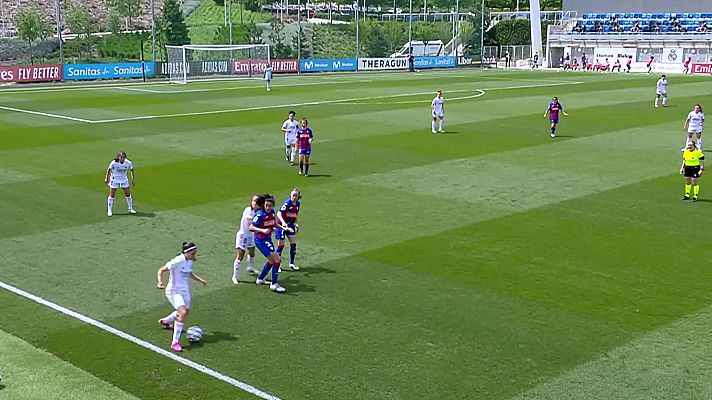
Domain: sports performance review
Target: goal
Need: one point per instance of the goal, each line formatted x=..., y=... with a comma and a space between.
x=200, y=62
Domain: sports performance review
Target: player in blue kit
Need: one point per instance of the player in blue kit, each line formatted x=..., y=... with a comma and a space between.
x=287, y=216
x=553, y=111
x=262, y=225
x=305, y=137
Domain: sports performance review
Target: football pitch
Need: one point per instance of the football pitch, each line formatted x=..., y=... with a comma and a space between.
x=489, y=262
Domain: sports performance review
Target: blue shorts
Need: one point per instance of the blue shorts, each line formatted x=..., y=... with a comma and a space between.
x=305, y=151
x=265, y=246
x=554, y=121
x=281, y=234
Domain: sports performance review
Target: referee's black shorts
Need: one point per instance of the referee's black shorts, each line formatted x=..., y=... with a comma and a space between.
x=692, y=172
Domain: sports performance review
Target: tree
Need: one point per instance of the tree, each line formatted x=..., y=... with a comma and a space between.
x=301, y=38
x=31, y=26
x=125, y=8
x=81, y=23
x=395, y=35
x=276, y=36
x=174, y=29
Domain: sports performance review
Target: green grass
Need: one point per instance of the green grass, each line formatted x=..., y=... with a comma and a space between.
x=491, y=262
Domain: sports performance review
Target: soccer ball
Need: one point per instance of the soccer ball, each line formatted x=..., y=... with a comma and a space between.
x=195, y=333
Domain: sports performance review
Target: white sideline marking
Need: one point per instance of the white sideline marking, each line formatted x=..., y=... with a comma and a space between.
x=330, y=82
x=20, y=110
x=314, y=103
x=188, y=363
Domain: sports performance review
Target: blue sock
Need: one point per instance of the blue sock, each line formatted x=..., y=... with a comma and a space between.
x=301, y=166
x=265, y=270
x=275, y=273
x=292, y=252
x=553, y=130
x=306, y=171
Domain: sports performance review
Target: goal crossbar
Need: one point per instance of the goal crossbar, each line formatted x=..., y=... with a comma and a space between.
x=228, y=61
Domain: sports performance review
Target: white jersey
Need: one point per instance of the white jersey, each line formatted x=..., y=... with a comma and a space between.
x=437, y=104
x=180, y=270
x=245, y=222
x=696, y=119
x=662, y=86
x=290, y=134
x=119, y=170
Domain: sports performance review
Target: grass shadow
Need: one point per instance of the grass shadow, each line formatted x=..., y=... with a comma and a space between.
x=210, y=338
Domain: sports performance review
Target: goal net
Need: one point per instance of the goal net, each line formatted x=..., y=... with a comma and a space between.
x=199, y=62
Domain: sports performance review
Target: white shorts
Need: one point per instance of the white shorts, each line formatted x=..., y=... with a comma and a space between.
x=290, y=140
x=661, y=92
x=118, y=184
x=438, y=114
x=694, y=130
x=179, y=299
x=244, y=241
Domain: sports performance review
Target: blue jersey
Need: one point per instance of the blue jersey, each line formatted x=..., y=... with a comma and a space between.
x=289, y=211
x=264, y=220
x=554, y=109
x=304, y=137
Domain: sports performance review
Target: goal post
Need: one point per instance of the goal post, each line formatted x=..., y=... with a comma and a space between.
x=199, y=62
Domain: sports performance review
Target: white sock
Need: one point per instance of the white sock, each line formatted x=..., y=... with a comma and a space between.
x=235, y=267
x=170, y=317
x=656, y=101
x=699, y=143
x=287, y=151
x=664, y=100
x=129, y=201
x=250, y=262
x=291, y=154
x=441, y=125
x=110, y=203
x=433, y=125
x=177, y=330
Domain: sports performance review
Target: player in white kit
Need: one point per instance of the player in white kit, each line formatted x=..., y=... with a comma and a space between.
x=117, y=177
x=178, y=290
x=245, y=241
x=289, y=127
x=693, y=125
x=661, y=90
x=438, y=110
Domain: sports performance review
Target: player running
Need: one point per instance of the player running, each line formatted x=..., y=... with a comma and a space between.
x=693, y=125
x=289, y=127
x=661, y=91
x=178, y=290
x=693, y=166
x=650, y=64
x=117, y=177
x=287, y=216
x=245, y=241
x=686, y=65
x=438, y=110
x=629, y=64
x=305, y=137
x=262, y=225
x=553, y=111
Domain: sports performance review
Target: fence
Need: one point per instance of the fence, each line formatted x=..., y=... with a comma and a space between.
x=315, y=32
x=517, y=53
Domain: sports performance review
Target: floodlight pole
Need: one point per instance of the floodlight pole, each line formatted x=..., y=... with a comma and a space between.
x=58, y=12
x=153, y=31
x=410, y=27
x=535, y=20
x=299, y=29
x=357, y=32
x=230, y=12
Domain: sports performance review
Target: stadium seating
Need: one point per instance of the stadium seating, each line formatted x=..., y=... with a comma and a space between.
x=633, y=23
x=96, y=8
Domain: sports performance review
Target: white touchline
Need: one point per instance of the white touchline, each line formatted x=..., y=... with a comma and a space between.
x=188, y=363
x=223, y=89
x=20, y=110
x=313, y=103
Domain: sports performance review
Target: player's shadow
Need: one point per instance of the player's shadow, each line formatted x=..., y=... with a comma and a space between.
x=705, y=200
x=137, y=215
x=307, y=272
x=294, y=285
x=564, y=136
x=319, y=175
x=2, y=386
x=212, y=337
x=450, y=133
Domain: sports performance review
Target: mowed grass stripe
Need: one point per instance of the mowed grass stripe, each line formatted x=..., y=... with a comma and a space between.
x=33, y=374
x=669, y=363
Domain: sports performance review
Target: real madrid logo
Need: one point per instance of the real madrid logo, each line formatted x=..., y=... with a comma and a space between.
x=672, y=56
